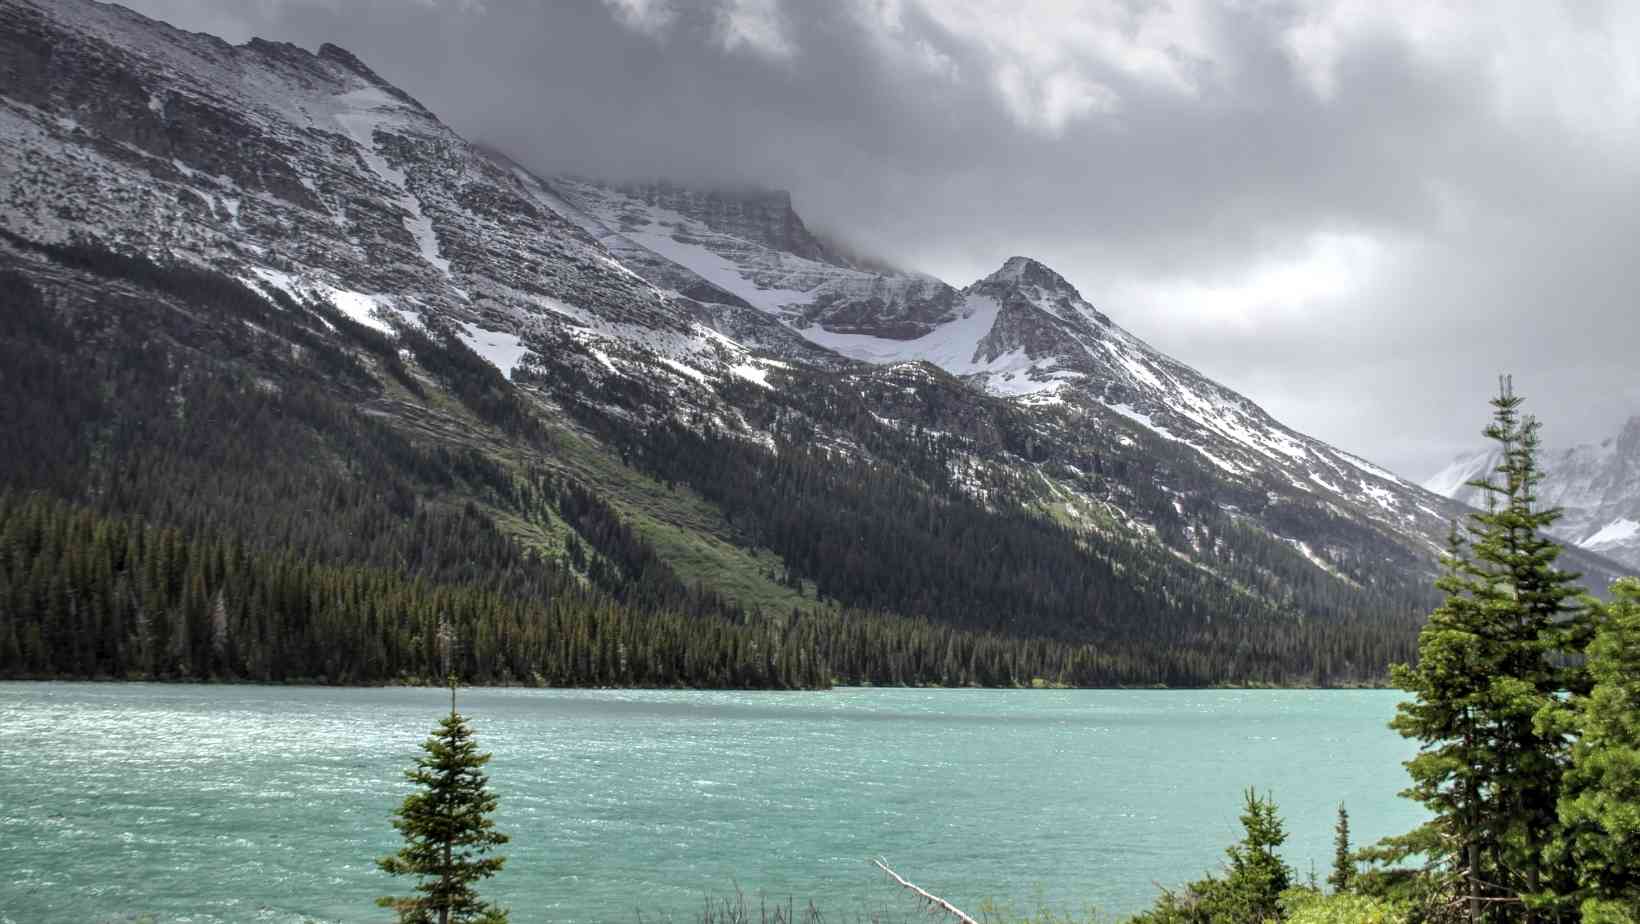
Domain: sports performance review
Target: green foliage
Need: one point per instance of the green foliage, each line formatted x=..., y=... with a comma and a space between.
x=1258, y=875
x=1495, y=655
x=1308, y=906
x=1251, y=890
x=1601, y=911
x=991, y=912
x=1600, y=804
x=448, y=834
x=1343, y=866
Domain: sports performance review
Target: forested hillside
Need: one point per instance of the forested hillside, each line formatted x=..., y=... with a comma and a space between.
x=221, y=482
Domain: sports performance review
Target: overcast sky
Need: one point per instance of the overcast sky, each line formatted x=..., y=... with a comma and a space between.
x=1356, y=213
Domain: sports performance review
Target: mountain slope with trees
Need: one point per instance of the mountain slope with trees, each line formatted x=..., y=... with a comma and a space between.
x=351, y=340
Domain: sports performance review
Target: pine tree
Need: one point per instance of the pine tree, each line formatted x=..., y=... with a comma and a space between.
x=1257, y=877
x=1449, y=686
x=1491, y=659
x=221, y=658
x=1343, y=870
x=1600, y=804
x=1251, y=890
x=447, y=831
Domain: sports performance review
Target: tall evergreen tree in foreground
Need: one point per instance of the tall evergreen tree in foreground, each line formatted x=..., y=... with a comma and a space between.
x=448, y=834
x=1493, y=657
x=1600, y=804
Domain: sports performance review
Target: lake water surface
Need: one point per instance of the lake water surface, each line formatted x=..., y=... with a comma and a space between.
x=130, y=802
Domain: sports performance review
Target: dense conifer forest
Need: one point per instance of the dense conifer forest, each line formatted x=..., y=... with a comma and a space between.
x=214, y=481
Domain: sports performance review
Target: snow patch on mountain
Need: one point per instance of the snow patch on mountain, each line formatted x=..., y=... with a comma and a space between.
x=692, y=252
x=500, y=349
x=672, y=235
x=951, y=347
x=1163, y=432
x=357, y=306
x=684, y=369
x=363, y=113
x=284, y=282
x=1367, y=467
x=1619, y=531
x=1452, y=480
x=757, y=375
x=714, y=268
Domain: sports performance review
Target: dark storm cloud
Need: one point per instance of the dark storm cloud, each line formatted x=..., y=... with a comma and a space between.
x=1357, y=214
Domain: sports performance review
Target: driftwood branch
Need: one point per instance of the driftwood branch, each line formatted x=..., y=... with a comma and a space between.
x=934, y=902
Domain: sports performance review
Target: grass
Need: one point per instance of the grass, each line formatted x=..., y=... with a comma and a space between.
x=687, y=532
x=898, y=908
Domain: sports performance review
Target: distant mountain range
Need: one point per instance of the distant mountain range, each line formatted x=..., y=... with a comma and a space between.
x=1597, y=485
x=665, y=337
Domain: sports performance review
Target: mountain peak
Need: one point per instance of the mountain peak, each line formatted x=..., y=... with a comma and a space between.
x=347, y=59
x=1628, y=438
x=1017, y=271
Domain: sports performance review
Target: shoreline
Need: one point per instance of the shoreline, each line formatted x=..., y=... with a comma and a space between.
x=420, y=685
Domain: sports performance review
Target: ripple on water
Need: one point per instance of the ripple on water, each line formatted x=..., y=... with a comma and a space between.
x=218, y=804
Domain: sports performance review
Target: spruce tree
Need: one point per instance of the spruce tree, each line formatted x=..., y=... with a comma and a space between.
x=447, y=829
x=1493, y=657
x=1600, y=804
x=1343, y=869
x=1258, y=875
x=1251, y=890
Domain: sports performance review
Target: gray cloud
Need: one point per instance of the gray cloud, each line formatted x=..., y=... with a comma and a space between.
x=1356, y=213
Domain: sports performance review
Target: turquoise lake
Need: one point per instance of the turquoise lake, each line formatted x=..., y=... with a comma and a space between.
x=139, y=802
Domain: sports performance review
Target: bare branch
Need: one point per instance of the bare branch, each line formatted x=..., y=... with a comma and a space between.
x=934, y=902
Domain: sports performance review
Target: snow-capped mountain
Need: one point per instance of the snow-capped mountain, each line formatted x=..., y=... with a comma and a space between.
x=1022, y=333
x=308, y=174
x=1597, y=485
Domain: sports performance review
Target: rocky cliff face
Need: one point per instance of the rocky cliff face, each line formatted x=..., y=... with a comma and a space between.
x=1597, y=485
x=758, y=216
x=680, y=243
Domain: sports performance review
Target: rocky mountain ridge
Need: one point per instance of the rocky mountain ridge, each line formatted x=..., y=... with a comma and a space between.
x=1023, y=333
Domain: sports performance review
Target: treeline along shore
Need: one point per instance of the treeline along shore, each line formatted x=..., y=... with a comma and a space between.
x=95, y=597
